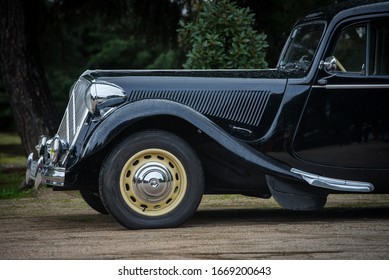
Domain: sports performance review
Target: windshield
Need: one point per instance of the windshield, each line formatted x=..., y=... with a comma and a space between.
x=302, y=46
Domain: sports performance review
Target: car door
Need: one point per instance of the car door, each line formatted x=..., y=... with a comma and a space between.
x=345, y=123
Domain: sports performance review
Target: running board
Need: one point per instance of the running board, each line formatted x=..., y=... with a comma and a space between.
x=334, y=184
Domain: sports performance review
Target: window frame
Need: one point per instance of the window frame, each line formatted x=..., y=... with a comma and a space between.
x=369, y=50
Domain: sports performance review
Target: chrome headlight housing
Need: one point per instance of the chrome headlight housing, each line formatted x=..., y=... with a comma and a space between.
x=99, y=93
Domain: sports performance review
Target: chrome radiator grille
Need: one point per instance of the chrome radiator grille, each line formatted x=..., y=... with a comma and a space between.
x=75, y=113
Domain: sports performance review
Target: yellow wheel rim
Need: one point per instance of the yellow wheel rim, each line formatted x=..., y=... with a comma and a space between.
x=153, y=182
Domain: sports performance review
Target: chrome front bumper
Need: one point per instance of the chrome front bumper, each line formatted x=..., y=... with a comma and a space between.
x=39, y=173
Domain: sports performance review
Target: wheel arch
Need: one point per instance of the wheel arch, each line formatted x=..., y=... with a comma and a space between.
x=143, y=115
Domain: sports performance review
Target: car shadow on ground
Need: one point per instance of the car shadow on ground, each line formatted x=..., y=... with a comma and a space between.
x=220, y=216
x=216, y=217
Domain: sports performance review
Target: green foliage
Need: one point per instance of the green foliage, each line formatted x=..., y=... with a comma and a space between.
x=130, y=53
x=12, y=165
x=165, y=60
x=9, y=185
x=223, y=37
x=11, y=152
x=73, y=43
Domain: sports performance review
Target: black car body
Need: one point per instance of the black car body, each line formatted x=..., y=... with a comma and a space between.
x=145, y=145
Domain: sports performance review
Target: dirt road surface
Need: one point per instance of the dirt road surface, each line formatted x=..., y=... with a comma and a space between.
x=58, y=225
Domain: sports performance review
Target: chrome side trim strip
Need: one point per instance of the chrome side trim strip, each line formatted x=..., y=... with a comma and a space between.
x=334, y=184
x=355, y=86
x=78, y=131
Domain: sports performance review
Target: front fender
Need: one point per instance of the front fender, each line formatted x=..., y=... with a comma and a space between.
x=131, y=113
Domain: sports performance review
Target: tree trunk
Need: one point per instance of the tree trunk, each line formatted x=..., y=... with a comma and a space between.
x=33, y=109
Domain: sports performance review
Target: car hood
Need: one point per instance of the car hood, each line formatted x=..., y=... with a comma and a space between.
x=184, y=85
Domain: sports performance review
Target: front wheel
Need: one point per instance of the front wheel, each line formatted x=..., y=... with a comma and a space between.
x=152, y=179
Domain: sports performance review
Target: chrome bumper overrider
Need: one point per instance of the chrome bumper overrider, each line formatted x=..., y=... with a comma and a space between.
x=40, y=173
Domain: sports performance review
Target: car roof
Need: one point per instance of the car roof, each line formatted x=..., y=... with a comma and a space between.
x=347, y=8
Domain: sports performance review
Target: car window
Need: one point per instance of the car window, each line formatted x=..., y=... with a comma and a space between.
x=302, y=46
x=350, y=51
x=361, y=41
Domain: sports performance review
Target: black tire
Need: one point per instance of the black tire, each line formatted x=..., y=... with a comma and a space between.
x=152, y=179
x=92, y=198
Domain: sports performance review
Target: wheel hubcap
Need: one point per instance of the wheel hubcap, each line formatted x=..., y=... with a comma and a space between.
x=153, y=182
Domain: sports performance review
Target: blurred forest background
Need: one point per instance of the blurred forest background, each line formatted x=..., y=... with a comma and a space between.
x=66, y=37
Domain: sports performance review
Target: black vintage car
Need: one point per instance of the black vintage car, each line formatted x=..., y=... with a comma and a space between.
x=145, y=146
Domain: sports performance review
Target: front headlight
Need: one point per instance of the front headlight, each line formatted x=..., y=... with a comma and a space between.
x=100, y=92
x=56, y=148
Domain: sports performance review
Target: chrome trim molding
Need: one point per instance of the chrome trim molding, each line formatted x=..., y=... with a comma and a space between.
x=334, y=184
x=356, y=86
x=78, y=131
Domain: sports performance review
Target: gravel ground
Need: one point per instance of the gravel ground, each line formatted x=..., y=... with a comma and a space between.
x=59, y=225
